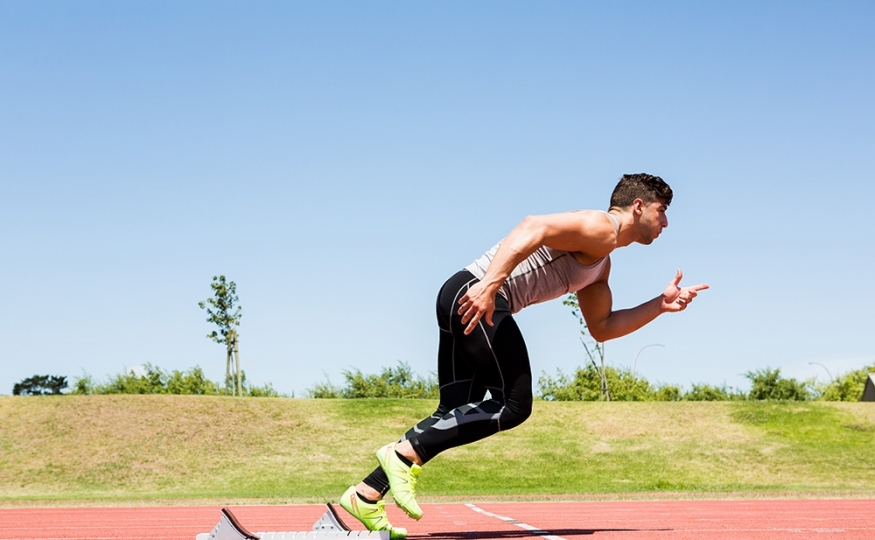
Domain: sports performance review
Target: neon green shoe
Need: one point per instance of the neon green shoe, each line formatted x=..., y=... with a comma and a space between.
x=372, y=515
x=402, y=480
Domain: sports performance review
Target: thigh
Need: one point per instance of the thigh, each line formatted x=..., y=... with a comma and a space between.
x=492, y=357
x=457, y=376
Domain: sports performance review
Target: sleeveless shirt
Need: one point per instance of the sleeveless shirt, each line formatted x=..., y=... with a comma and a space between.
x=544, y=275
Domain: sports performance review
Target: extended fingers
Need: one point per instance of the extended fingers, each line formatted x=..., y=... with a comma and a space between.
x=692, y=292
x=688, y=293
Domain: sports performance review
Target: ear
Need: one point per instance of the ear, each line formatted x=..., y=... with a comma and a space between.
x=638, y=207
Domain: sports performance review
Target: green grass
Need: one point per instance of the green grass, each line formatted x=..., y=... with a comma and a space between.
x=167, y=448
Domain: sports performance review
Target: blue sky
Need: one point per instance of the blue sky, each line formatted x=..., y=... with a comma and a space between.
x=340, y=160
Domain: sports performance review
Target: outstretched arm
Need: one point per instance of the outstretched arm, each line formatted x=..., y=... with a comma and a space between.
x=595, y=303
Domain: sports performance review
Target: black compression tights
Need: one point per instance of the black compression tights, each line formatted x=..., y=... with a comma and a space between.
x=492, y=358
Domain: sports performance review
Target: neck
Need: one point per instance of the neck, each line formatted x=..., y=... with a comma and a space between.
x=626, y=233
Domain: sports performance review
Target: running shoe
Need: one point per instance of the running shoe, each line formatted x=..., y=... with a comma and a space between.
x=372, y=515
x=402, y=480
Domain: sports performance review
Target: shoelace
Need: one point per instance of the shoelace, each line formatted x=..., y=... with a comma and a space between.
x=414, y=476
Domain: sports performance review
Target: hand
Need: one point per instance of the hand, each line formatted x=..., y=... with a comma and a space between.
x=476, y=304
x=677, y=298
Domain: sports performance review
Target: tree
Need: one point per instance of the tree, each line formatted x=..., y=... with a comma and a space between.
x=40, y=385
x=223, y=314
x=592, y=347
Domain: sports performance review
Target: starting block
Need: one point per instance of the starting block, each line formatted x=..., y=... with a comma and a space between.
x=328, y=527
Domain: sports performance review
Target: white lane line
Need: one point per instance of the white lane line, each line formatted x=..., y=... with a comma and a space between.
x=512, y=521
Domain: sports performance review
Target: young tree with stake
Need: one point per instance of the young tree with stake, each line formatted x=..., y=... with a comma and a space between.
x=223, y=314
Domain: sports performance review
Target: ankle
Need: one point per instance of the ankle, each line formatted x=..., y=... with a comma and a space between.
x=406, y=450
x=368, y=493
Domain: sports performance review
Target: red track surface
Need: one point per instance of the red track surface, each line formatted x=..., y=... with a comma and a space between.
x=633, y=520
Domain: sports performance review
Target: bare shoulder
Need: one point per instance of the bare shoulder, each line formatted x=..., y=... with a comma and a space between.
x=597, y=222
x=599, y=229
x=589, y=232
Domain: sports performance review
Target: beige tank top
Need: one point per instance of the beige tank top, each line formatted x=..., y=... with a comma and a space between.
x=544, y=275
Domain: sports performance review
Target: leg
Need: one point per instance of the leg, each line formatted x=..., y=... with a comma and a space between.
x=498, y=356
x=458, y=386
x=491, y=357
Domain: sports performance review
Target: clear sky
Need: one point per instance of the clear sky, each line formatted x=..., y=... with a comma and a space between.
x=340, y=160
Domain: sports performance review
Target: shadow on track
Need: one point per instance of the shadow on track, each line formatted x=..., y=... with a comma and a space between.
x=484, y=535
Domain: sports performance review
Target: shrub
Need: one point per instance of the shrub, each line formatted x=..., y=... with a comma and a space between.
x=847, y=387
x=154, y=380
x=397, y=382
x=40, y=385
x=767, y=384
x=191, y=382
x=585, y=385
x=707, y=392
x=325, y=390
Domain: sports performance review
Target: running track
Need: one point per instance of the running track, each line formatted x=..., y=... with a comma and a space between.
x=625, y=520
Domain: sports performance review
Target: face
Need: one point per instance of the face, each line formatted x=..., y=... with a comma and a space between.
x=652, y=220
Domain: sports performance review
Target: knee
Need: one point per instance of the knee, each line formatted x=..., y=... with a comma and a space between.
x=516, y=412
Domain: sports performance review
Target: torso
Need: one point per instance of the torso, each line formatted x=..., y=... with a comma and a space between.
x=545, y=274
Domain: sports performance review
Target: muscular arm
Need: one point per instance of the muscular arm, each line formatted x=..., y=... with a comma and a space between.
x=595, y=303
x=588, y=232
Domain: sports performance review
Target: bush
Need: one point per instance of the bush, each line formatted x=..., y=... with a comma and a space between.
x=586, y=386
x=40, y=385
x=157, y=381
x=398, y=382
x=847, y=387
x=707, y=392
x=325, y=390
x=767, y=384
x=191, y=382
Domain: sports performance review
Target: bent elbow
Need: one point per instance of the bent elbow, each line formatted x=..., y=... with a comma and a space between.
x=599, y=334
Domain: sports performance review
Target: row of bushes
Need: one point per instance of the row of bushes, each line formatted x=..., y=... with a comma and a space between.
x=152, y=380
x=585, y=385
x=766, y=384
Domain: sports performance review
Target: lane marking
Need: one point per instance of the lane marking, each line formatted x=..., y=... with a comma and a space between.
x=512, y=521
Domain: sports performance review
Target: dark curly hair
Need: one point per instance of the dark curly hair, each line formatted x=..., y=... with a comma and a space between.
x=642, y=186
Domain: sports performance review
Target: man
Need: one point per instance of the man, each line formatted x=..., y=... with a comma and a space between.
x=481, y=348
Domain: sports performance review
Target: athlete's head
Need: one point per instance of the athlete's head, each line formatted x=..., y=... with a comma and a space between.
x=645, y=198
x=642, y=186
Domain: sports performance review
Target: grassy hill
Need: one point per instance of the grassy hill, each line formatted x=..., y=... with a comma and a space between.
x=164, y=448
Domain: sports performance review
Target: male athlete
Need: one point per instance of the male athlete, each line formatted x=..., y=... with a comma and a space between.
x=481, y=347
